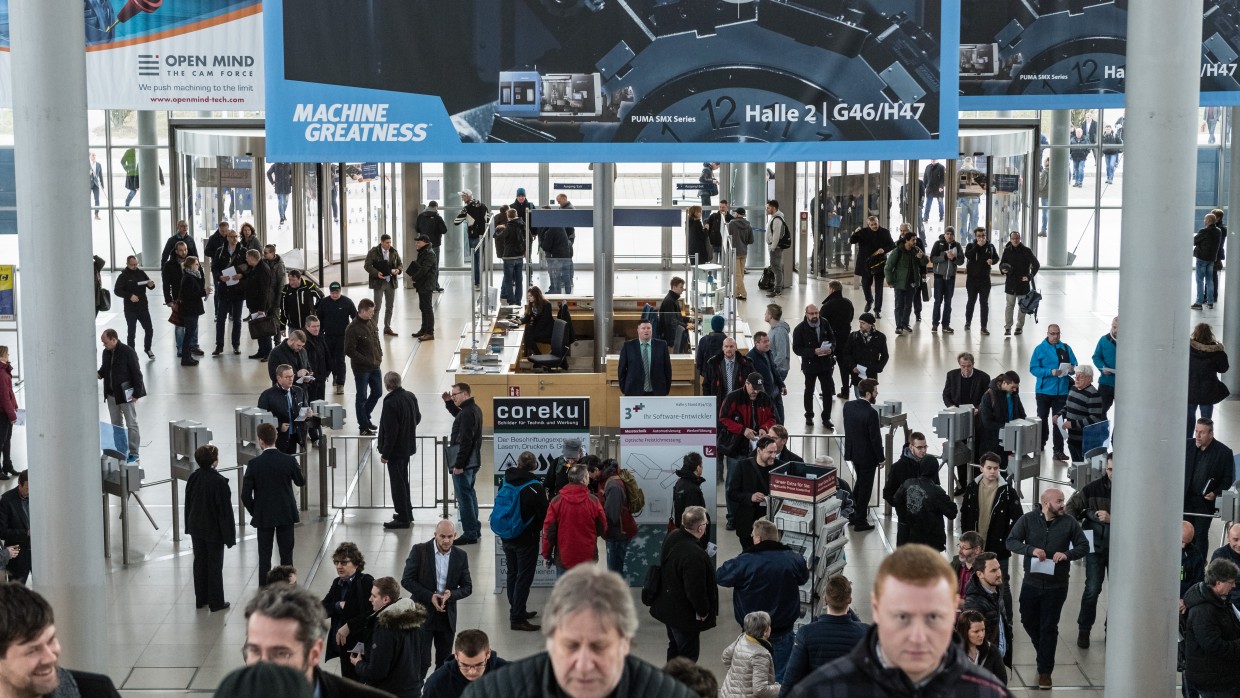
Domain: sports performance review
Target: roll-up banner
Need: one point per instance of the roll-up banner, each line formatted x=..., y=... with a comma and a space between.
x=1070, y=54
x=621, y=80
x=165, y=55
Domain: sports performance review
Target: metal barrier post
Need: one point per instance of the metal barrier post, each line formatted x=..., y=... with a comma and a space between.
x=891, y=415
x=184, y=438
x=124, y=476
x=1023, y=438
x=445, y=471
x=330, y=416
x=107, y=528
x=955, y=426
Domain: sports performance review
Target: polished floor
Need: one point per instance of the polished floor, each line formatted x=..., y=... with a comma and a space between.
x=160, y=645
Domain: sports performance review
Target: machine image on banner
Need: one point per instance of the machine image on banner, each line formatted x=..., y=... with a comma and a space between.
x=539, y=425
x=655, y=435
x=1056, y=54
x=165, y=54
x=587, y=80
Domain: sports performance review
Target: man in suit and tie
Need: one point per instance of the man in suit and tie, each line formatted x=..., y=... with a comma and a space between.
x=863, y=446
x=645, y=364
x=398, y=439
x=267, y=493
x=437, y=576
x=286, y=402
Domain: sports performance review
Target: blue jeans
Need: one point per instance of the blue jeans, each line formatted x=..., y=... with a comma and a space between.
x=1078, y=172
x=1044, y=203
x=522, y=561
x=1205, y=282
x=944, y=289
x=781, y=650
x=187, y=338
x=904, y=306
x=557, y=270
x=1095, y=573
x=510, y=288
x=925, y=216
x=364, y=403
x=1111, y=159
x=282, y=205
x=616, y=550
x=467, y=502
x=179, y=335
x=968, y=206
x=1039, y=614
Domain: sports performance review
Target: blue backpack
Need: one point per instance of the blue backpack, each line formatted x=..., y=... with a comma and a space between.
x=506, y=521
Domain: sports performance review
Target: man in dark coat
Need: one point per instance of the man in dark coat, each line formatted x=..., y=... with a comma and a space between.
x=259, y=298
x=291, y=351
x=465, y=457
x=397, y=441
x=521, y=551
x=645, y=365
x=393, y=643
x=298, y=299
x=320, y=360
x=1091, y=506
x=966, y=386
x=924, y=509
x=670, y=316
x=688, y=600
x=15, y=527
x=421, y=580
x=725, y=371
x=983, y=594
x=131, y=286
x=1209, y=469
x=267, y=494
x=122, y=387
x=865, y=351
x=832, y=635
x=425, y=275
x=914, y=460
x=1212, y=632
x=335, y=311
x=1019, y=265
x=837, y=310
x=210, y=525
x=287, y=402
x=883, y=664
x=750, y=488
x=814, y=341
x=863, y=447
x=708, y=347
x=472, y=658
x=991, y=506
x=873, y=243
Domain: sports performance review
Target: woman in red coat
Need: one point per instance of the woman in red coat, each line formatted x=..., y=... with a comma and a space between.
x=8, y=404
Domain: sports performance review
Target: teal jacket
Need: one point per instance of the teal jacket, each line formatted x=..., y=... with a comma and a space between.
x=1104, y=357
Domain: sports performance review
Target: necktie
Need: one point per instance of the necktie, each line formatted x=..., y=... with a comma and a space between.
x=730, y=367
x=646, y=384
x=288, y=395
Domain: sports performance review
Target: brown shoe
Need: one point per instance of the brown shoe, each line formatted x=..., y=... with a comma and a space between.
x=526, y=626
x=426, y=338
x=388, y=331
x=1044, y=682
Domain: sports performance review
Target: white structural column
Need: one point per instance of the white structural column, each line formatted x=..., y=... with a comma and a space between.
x=604, y=260
x=1231, y=273
x=49, y=124
x=1160, y=129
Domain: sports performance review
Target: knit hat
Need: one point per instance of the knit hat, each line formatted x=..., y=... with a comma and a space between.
x=520, y=191
x=716, y=323
x=264, y=680
x=572, y=448
x=867, y=317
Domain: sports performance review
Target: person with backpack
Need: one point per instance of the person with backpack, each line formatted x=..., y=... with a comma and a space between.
x=1019, y=265
x=741, y=233
x=621, y=526
x=778, y=239
x=517, y=518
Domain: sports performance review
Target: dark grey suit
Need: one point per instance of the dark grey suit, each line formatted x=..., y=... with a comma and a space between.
x=267, y=493
x=419, y=580
x=863, y=446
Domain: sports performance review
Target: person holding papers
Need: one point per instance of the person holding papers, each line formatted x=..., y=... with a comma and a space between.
x=1051, y=364
x=865, y=351
x=287, y=402
x=1049, y=541
x=122, y=386
x=1092, y=507
x=1208, y=470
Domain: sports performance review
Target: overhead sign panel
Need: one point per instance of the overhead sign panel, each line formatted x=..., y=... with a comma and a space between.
x=621, y=80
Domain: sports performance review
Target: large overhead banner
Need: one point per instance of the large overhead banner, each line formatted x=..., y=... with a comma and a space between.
x=1061, y=54
x=614, y=80
x=162, y=55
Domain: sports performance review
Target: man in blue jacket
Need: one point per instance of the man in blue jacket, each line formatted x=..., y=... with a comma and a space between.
x=1053, y=382
x=1104, y=359
x=767, y=578
x=832, y=636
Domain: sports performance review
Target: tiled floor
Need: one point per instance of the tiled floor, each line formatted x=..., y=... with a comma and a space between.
x=160, y=645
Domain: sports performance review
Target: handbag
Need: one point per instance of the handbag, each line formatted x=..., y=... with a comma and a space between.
x=262, y=327
x=175, y=316
x=653, y=585
x=103, y=300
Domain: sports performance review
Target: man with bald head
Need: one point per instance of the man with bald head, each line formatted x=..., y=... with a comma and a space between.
x=1049, y=541
x=437, y=576
x=1192, y=564
x=815, y=342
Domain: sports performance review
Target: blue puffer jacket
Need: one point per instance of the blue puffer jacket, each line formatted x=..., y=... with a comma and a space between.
x=820, y=643
x=1046, y=359
x=766, y=578
x=1104, y=357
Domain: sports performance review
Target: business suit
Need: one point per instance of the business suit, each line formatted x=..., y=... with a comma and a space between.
x=267, y=494
x=211, y=526
x=398, y=439
x=863, y=446
x=420, y=581
x=15, y=530
x=632, y=376
x=277, y=402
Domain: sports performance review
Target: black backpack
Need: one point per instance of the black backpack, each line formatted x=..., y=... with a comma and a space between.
x=1030, y=301
x=785, y=237
x=767, y=282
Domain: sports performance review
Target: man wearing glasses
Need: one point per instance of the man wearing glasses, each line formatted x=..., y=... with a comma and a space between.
x=285, y=625
x=471, y=658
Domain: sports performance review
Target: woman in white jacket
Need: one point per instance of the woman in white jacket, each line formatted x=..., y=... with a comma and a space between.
x=750, y=669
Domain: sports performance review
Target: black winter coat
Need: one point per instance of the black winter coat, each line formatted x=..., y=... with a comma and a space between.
x=448, y=682
x=1211, y=641
x=688, y=588
x=870, y=352
x=994, y=415
x=687, y=492
x=820, y=643
x=1205, y=362
x=696, y=242
x=466, y=433
x=954, y=393
x=131, y=282
x=392, y=661
x=208, y=508
x=861, y=673
x=838, y=312
x=1018, y=262
x=1004, y=513
x=990, y=605
x=355, y=613
x=398, y=425
x=170, y=279
x=1211, y=470
x=922, y=505
x=193, y=290
x=257, y=285
x=118, y=367
x=805, y=339
x=1206, y=243
x=533, y=677
x=425, y=270
x=975, y=256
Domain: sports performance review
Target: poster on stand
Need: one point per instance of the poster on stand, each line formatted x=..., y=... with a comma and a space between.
x=656, y=433
x=165, y=55
x=538, y=425
x=625, y=80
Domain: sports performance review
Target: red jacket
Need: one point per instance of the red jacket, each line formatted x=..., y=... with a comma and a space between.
x=739, y=413
x=574, y=522
x=8, y=401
